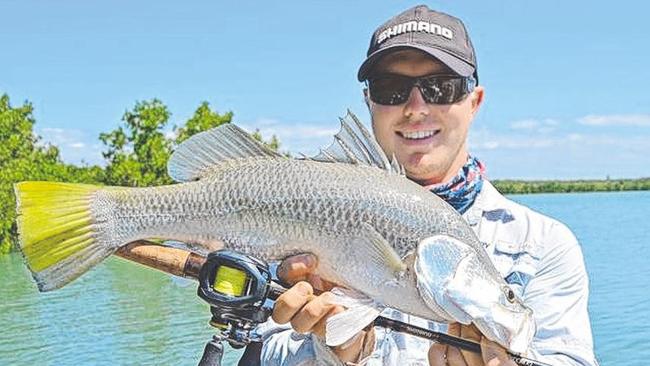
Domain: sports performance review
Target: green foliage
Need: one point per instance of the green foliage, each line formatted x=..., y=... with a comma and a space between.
x=23, y=158
x=554, y=186
x=203, y=119
x=273, y=143
x=137, y=152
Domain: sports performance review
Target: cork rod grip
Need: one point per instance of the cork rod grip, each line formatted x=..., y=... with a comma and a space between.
x=174, y=261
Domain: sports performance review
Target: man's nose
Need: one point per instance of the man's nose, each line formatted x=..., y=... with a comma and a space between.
x=416, y=107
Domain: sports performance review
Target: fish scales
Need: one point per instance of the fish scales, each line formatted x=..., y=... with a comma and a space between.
x=372, y=230
x=334, y=196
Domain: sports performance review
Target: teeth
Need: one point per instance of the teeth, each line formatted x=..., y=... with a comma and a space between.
x=418, y=134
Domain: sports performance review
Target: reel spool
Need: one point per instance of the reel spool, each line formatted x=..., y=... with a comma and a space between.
x=236, y=287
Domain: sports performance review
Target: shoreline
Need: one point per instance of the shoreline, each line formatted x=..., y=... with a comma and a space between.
x=515, y=186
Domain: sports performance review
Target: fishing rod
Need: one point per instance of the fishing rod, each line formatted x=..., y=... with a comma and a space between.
x=237, y=287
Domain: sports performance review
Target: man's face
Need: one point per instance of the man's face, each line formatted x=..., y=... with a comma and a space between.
x=437, y=157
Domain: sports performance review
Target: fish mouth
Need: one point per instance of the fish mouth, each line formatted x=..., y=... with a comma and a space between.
x=455, y=289
x=511, y=325
x=513, y=331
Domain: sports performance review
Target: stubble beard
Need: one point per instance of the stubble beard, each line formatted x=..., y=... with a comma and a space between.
x=439, y=170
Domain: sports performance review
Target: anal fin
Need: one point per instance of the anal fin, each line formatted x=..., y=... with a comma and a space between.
x=361, y=311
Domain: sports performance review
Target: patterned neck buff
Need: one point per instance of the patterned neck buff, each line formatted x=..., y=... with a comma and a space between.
x=463, y=189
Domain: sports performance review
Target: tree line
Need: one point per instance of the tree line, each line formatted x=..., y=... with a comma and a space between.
x=566, y=186
x=135, y=153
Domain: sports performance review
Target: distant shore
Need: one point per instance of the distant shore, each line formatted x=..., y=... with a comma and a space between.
x=508, y=186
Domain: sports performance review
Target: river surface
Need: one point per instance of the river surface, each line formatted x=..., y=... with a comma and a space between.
x=124, y=314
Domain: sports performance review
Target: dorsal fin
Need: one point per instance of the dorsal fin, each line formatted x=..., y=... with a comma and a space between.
x=354, y=144
x=200, y=153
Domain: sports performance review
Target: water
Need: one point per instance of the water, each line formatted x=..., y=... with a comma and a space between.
x=118, y=314
x=122, y=313
x=614, y=232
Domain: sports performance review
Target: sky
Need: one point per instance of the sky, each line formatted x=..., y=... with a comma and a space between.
x=566, y=81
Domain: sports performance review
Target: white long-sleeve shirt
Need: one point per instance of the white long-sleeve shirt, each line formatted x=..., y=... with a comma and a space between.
x=538, y=256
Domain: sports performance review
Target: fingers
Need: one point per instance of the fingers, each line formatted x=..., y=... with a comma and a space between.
x=297, y=268
x=492, y=354
x=319, y=327
x=495, y=355
x=319, y=283
x=309, y=313
x=301, y=267
x=470, y=332
x=349, y=351
x=315, y=312
x=290, y=302
x=454, y=329
x=455, y=358
x=438, y=355
x=305, y=311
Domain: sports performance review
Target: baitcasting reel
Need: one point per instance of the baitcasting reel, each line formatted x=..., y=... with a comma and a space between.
x=237, y=286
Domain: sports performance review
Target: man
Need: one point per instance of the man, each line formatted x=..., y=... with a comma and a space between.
x=422, y=95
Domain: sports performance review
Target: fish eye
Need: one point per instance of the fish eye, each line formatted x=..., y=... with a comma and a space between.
x=510, y=295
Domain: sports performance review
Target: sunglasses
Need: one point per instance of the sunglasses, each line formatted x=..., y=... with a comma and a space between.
x=393, y=89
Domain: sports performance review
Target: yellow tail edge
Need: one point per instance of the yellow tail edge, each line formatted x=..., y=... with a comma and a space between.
x=57, y=233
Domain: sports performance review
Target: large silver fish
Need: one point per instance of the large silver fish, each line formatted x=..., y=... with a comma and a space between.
x=387, y=240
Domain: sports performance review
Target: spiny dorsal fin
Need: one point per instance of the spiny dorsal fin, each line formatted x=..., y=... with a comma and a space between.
x=200, y=153
x=354, y=144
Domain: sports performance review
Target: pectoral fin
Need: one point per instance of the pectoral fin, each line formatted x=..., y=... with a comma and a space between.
x=380, y=259
x=377, y=250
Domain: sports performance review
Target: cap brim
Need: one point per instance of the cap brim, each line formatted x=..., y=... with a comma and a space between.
x=457, y=65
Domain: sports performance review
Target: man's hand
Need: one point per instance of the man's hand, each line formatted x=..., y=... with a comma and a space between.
x=308, y=313
x=492, y=353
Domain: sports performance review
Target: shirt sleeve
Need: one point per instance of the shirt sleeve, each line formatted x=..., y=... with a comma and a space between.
x=558, y=295
x=284, y=347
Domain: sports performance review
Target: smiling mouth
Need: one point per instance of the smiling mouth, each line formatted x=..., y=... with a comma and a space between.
x=417, y=135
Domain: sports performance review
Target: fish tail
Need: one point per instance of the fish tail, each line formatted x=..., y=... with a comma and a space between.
x=57, y=233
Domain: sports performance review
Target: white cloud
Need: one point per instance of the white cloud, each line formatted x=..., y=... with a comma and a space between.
x=294, y=137
x=488, y=140
x=574, y=137
x=524, y=124
x=170, y=133
x=73, y=144
x=640, y=120
x=53, y=130
x=520, y=154
x=543, y=126
x=490, y=145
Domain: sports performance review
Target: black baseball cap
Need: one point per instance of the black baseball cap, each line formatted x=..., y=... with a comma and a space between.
x=437, y=34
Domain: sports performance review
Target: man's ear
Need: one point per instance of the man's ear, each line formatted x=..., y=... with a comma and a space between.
x=366, y=97
x=477, y=98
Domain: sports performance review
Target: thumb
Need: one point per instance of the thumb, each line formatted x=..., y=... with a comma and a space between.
x=494, y=355
x=297, y=268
